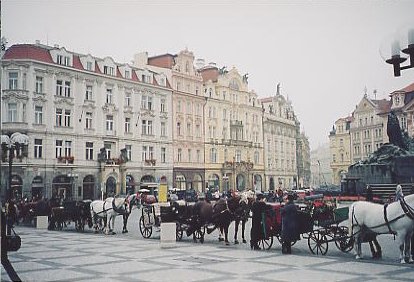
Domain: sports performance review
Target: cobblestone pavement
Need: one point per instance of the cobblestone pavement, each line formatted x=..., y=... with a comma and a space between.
x=71, y=256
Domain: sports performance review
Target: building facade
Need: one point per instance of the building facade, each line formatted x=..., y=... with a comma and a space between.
x=188, y=104
x=94, y=125
x=280, y=141
x=340, y=147
x=233, y=125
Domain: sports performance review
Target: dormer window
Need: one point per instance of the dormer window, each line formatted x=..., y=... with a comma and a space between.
x=127, y=74
x=108, y=70
x=60, y=59
x=89, y=66
x=63, y=60
x=146, y=78
x=397, y=100
x=67, y=61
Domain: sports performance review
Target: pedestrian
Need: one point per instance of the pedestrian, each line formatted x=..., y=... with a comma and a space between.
x=398, y=193
x=256, y=232
x=412, y=237
x=289, y=225
x=369, y=196
x=279, y=194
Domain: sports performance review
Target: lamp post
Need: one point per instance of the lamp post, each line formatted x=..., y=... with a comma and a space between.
x=226, y=182
x=396, y=58
x=14, y=146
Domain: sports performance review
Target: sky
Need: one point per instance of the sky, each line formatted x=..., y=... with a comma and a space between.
x=324, y=54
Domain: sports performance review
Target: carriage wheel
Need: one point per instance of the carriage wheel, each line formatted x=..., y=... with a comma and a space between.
x=266, y=244
x=342, y=240
x=178, y=231
x=317, y=243
x=146, y=231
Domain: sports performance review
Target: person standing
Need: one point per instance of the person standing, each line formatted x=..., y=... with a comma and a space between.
x=256, y=232
x=289, y=225
x=412, y=237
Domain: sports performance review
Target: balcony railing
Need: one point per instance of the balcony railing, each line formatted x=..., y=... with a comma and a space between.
x=66, y=159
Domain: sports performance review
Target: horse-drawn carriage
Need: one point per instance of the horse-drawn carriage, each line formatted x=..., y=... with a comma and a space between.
x=152, y=214
x=71, y=211
x=319, y=224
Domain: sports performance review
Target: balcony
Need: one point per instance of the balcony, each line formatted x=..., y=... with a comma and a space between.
x=150, y=162
x=66, y=159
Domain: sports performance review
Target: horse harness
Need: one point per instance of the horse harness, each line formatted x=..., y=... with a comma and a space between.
x=118, y=210
x=407, y=209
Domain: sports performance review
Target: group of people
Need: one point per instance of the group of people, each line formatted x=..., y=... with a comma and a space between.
x=289, y=231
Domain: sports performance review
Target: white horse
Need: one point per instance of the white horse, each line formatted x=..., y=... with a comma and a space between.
x=396, y=218
x=108, y=210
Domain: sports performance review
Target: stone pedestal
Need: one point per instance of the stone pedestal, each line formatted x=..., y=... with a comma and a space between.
x=42, y=222
x=168, y=234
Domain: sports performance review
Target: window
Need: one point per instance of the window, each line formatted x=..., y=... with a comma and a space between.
x=163, y=106
x=59, y=114
x=88, y=92
x=59, y=148
x=88, y=120
x=213, y=155
x=67, y=61
x=109, y=96
x=67, y=118
x=127, y=99
x=179, y=106
x=108, y=149
x=189, y=108
x=12, y=112
x=163, y=129
x=108, y=70
x=151, y=152
x=146, y=127
x=178, y=128
x=238, y=156
x=89, y=151
x=144, y=153
x=109, y=123
x=39, y=84
x=38, y=115
x=127, y=125
x=38, y=149
x=163, y=152
x=128, y=152
x=188, y=129
x=127, y=74
x=89, y=66
x=179, y=155
x=68, y=148
x=198, y=130
x=146, y=102
x=59, y=87
x=59, y=59
x=189, y=155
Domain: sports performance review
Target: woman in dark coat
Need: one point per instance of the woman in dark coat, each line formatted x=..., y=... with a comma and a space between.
x=256, y=233
x=289, y=225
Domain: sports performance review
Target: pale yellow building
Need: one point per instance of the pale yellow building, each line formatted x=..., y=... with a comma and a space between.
x=340, y=148
x=233, y=131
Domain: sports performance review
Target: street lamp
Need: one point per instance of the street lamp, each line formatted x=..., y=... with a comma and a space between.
x=226, y=182
x=15, y=146
x=395, y=58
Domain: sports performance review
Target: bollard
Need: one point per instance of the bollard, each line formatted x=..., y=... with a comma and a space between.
x=42, y=222
x=168, y=234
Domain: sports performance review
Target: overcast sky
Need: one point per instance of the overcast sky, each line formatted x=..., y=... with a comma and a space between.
x=323, y=53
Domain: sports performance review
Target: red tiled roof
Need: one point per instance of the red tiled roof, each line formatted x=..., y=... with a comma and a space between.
x=209, y=73
x=163, y=61
x=97, y=70
x=27, y=51
x=118, y=72
x=77, y=63
x=409, y=88
x=384, y=106
x=134, y=76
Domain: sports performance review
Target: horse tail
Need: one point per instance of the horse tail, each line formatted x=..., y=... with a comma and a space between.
x=351, y=215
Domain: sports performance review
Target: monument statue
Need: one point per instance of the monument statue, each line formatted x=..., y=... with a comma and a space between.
x=394, y=131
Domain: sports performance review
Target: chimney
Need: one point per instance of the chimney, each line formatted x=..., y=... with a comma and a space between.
x=38, y=42
x=141, y=59
x=56, y=45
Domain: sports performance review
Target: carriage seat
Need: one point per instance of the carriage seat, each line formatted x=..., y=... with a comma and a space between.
x=149, y=199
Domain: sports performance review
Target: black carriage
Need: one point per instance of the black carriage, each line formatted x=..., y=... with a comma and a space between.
x=71, y=211
x=153, y=214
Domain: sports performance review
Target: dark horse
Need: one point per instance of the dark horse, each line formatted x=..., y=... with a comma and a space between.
x=242, y=213
x=218, y=216
x=131, y=201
